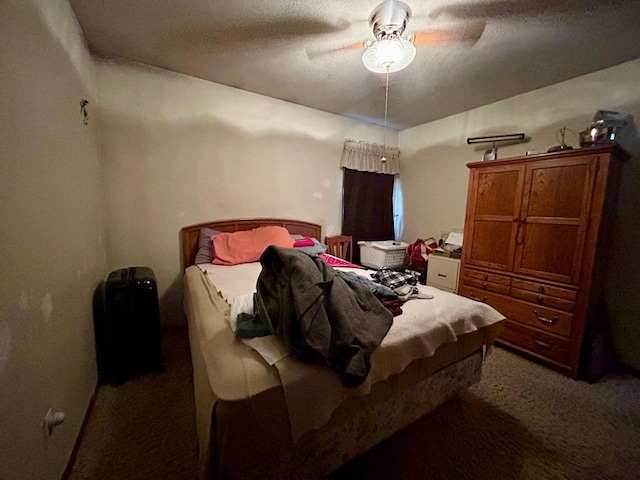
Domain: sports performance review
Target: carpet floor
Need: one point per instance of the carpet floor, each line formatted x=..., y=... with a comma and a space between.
x=522, y=421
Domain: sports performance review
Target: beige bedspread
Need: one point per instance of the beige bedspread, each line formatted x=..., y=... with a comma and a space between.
x=242, y=418
x=312, y=392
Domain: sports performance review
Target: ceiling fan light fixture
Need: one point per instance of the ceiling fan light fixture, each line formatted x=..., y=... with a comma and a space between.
x=389, y=55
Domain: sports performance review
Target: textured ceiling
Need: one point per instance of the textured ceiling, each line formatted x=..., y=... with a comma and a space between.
x=295, y=50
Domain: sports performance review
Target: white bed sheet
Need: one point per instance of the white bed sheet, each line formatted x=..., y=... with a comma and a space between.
x=237, y=284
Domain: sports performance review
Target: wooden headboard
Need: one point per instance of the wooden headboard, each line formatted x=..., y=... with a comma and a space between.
x=189, y=235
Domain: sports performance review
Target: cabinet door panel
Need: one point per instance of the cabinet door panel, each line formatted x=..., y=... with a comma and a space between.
x=497, y=193
x=492, y=210
x=491, y=244
x=554, y=216
x=558, y=191
x=549, y=249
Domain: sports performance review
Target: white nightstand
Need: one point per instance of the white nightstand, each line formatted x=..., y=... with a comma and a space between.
x=442, y=273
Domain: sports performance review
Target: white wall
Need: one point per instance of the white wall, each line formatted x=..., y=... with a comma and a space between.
x=434, y=173
x=179, y=150
x=51, y=221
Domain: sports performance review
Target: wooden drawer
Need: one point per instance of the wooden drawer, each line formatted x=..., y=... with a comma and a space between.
x=443, y=272
x=477, y=294
x=545, y=300
x=558, y=292
x=538, y=316
x=486, y=277
x=535, y=342
x=489, y=286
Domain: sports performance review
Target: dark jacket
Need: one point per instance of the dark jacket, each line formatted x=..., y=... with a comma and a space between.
x=320, y=314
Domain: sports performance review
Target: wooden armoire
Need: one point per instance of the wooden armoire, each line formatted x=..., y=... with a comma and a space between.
x=536, y=237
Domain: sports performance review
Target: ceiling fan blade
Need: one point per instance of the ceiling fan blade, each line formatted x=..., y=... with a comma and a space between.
x=314, y=54
x=206, y=37
x=505, y=9
x=286, y=28
x=468, y=33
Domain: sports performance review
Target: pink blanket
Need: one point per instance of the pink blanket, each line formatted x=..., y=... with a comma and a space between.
x=337, y=262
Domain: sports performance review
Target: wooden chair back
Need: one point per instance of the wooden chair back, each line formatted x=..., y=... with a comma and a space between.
x=340, y=246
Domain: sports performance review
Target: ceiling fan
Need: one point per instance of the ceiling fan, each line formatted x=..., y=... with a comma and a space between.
x=390, y=51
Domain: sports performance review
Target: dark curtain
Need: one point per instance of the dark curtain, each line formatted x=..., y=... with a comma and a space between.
x=367, y=207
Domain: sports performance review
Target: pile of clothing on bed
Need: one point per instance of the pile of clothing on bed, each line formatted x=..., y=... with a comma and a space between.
x=328, y=315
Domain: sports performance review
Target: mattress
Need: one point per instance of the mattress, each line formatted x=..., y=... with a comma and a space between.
x=257, y=417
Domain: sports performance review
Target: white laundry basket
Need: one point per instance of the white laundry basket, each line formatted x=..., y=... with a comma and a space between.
x=386, y=253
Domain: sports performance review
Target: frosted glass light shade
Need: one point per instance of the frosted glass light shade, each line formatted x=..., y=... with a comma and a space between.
x=389, y=55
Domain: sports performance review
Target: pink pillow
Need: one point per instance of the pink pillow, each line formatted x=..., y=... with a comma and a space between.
x=247, y=246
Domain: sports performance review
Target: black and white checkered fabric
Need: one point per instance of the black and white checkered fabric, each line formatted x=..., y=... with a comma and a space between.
x=393, y=279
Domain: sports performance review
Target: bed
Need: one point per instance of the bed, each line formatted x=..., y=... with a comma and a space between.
x=286, y=419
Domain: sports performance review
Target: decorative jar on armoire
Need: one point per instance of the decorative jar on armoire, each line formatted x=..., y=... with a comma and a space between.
x=537, y=234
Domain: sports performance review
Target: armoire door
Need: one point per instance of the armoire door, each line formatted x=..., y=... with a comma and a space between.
x=492, y=216
x=554, y=218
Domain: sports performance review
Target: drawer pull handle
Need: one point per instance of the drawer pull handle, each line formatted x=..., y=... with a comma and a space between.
x=546, y=321
x=540, y=299
x=473, y=295
x=485, y=277
x=442, y=275
x=484, y=285
x=542, y=344
x=541, y=289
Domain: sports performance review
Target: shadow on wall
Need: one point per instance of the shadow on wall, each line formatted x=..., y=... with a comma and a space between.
x=622, y=292
x=164, y=175
x=170, y=301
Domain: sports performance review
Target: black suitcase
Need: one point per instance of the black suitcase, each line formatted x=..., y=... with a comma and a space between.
x=127, y=325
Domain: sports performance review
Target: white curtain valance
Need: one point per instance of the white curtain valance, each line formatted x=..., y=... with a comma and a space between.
x=365, y=157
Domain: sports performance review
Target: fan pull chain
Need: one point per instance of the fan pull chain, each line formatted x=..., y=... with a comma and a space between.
x=384, y=132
